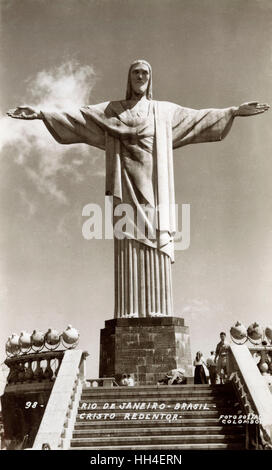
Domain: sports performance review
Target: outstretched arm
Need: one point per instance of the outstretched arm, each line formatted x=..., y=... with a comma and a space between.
x=66, y=127
x=85, y=125
x=191, y=126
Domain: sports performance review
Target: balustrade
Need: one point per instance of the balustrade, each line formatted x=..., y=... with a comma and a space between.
x=253, y=395
x=37, y=367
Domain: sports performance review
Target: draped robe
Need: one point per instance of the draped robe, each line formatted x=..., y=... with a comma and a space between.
x=139, y=172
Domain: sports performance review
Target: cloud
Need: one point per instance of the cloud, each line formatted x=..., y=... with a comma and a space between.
x=66, y=86
x=264, y=4
x=44, y=160
x=196, y=308
x=28, y=204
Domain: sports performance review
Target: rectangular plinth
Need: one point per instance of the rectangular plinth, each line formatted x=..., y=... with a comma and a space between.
x=146, y=348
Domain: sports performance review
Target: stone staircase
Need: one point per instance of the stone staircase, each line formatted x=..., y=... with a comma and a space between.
x=145, y=417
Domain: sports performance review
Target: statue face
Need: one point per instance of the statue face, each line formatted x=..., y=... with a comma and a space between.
x=139, y=77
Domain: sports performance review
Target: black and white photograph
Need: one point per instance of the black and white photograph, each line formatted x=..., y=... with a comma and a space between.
x=136, y=229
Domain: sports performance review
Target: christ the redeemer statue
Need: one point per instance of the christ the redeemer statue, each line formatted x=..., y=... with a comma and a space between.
x=139, y=135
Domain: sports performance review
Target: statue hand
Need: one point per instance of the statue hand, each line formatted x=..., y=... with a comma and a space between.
x=251, y=108
x=24, y=112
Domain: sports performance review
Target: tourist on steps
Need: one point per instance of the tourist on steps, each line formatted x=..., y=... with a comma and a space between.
x=211, y=365
x=221, y=353
x=200, y=376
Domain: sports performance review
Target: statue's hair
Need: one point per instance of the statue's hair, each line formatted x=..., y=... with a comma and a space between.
x=149, y=87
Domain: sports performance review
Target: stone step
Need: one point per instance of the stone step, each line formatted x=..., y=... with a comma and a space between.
x=104, y=416
x=153, y=440
x=123, y=432
x=162, y=387
x=159, y=399
x=170, y=392
x=160, y=405
x=194, y=429
x=209, y=446
x=158, y=388
x=145, y=423
x=168, y=409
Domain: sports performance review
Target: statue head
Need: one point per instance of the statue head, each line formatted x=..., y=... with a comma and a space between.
x=139, y=79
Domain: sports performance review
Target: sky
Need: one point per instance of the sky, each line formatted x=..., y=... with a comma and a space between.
x=69, y=53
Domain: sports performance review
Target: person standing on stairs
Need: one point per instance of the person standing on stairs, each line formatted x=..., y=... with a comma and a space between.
x=200, y=375
x=211, y=365
x=221, y=353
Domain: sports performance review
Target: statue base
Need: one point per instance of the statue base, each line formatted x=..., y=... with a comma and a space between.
x=145, y=348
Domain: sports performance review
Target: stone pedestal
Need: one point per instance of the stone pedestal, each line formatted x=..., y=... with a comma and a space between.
x=146, y=348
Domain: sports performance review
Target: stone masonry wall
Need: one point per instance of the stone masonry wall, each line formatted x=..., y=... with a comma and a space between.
x=146, y=348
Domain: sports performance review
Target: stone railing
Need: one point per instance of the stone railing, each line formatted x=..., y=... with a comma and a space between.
x=36, y=367
x=41, y=397
x=58, y=420
x=254, y=397
x=28, y=387
x=253, y=436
